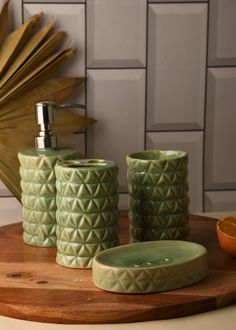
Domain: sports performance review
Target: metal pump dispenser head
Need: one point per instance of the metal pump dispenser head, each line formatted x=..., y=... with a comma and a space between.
x=45, y=118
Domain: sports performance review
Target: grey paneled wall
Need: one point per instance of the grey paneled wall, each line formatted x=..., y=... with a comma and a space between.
x=161, y=74
x=220, y=134
x=176, y=66
x=222, y=27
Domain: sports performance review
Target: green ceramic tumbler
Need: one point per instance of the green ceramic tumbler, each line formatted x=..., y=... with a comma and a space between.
x=158, y=188
x=87, y=210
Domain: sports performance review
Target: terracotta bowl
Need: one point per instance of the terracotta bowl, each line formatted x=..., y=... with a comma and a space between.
x=226, y=232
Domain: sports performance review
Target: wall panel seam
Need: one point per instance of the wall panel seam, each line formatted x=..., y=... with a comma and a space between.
x=205, y=110
x=146, y=76
x=86, y=83
x=219, y=190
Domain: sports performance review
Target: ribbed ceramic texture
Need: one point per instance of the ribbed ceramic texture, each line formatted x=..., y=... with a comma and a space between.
x=150, y=266
x=38, y=183
x=87, y=210
x=158, y=188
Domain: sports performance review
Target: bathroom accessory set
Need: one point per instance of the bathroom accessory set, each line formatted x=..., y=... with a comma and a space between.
x=72, y=203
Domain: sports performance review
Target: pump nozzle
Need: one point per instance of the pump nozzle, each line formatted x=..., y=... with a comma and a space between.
x=45, y=118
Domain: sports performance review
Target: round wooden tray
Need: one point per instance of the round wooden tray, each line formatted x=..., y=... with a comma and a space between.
x=33, y=287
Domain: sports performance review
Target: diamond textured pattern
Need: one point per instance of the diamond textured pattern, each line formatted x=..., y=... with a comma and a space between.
x=151, y=234
x=88, y=177
x=157, y=221
x=158, y=188
x=39, y=194
x=87, y=205
x=154, y=179
x=89, y=190
x=86, y=235
x=87, y=210
x=126, y=280
x=84, y=221
x=39, y=189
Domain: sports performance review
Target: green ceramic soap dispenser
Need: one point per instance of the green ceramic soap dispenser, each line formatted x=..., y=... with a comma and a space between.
x=38, y=180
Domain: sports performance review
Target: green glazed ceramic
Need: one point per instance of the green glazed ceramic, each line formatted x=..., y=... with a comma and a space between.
x=150, y=234
x=150, y=266
x=154, y=207
x=87, y=205
x=158, y=188
x=151, y=179
x=91, y=171
x=158, y=192
x=158, y=221
x=87, y=213
x=160, y=160
x=83, y=220
x=38, y=183
x=91, y=235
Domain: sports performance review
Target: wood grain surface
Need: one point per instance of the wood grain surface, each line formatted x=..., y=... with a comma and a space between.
x=33, y=287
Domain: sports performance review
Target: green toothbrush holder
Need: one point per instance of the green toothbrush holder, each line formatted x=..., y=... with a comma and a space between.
x=87, y=210
x=158, y=195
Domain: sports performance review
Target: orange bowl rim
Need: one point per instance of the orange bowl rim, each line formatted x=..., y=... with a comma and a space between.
x=222, y=232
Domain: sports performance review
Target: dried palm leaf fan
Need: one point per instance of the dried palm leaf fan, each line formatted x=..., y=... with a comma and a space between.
x=28, y=58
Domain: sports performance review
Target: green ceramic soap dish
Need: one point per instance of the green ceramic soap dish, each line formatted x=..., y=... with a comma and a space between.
x=150, y=266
